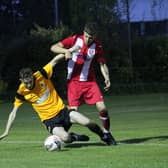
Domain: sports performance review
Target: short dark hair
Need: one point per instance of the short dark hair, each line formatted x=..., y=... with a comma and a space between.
x=91, y=28
x=25, y=73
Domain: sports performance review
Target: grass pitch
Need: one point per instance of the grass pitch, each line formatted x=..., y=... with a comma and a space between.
x=138, y=122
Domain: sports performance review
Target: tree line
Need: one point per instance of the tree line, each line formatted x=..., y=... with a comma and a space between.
x=28, y=29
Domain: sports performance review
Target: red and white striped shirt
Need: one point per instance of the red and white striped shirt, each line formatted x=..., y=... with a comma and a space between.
x=80, y=67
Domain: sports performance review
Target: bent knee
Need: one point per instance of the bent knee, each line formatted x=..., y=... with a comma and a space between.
x=65, y=138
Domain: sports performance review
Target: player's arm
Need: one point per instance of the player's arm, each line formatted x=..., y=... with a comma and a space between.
x=105, y=73
x=60, y=57
x=10, y=121
x=57, y=59
x=59, y=48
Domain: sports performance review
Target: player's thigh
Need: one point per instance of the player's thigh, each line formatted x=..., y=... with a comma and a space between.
x=74, y=94
x=92, y=94
x=60, y=131
x=79, y=118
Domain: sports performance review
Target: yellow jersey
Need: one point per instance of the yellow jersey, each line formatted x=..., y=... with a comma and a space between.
x=43, y=97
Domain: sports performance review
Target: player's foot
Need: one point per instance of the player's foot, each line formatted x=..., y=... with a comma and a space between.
x=77, y=137
x=109, y=139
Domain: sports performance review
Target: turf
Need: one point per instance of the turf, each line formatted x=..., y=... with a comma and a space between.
x=138, y=122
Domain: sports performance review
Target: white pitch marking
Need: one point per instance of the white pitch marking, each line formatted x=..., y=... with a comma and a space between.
x=119, y=143
x=21, y=142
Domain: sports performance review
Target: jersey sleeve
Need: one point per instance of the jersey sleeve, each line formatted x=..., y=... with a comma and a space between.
x=18, y=102
x=19, y=98
x=47, y=71
x=69, y=41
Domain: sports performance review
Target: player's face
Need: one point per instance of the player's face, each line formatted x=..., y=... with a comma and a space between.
x=88, y=38
x=28, y=82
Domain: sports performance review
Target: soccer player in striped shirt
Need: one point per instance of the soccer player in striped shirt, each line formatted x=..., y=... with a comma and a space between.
x=81, y=78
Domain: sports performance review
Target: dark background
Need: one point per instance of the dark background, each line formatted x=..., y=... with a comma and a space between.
x=137, y=58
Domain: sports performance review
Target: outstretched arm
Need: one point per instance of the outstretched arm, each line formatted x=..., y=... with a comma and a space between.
x=9, y=123
x=105, y=73
x=59, y=57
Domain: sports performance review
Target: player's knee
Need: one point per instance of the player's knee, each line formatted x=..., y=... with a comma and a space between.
x=92, y=125
x=66, y=138
x=72, y=112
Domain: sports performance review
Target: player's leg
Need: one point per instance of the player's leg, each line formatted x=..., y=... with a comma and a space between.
x=79, y=118
x=103, y=116
x=68, y=137
x=74, y=95
x=94, y=96
x=60, y=131
x=60, y=124
x=66, y=122
x=76, y=117
x=105, y=119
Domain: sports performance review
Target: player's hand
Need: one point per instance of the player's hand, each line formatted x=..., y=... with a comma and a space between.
x=107, y=84
x=68, y=55
x=75, y=48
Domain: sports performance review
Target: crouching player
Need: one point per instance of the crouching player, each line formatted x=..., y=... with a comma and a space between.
x=38, y=90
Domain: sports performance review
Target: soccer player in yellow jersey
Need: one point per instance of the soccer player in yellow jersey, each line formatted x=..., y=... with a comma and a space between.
x=37, y=89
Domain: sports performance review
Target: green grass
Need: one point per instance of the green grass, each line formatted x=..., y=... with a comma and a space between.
x=139, y=123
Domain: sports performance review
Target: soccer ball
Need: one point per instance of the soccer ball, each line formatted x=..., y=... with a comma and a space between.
x=52, y=143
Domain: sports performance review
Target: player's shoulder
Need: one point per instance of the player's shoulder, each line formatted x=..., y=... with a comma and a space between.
x=21, y=88
x=37, y=74
x=76, y=36
x=73, y=39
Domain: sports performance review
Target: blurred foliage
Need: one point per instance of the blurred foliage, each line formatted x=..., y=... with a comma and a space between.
x=3, y=86
x=150, y=58
x=28, y=50
x=26, y=37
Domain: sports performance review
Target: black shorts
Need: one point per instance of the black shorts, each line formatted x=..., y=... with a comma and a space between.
x=60, y=120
